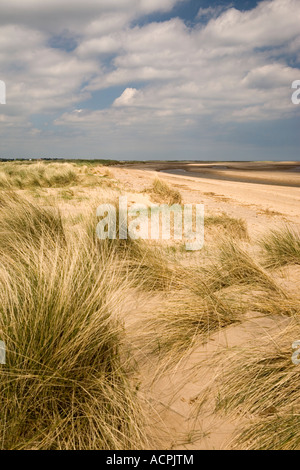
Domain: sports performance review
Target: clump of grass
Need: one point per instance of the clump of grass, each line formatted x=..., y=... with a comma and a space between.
x=162, y=192
x=283, y=303
x=233, y=227
x=262, y=381
x=67, y=383
x=22, y=222
x=108, y=173
x=276, y=432
x=235, y=266
x=149, y=264
x=281, y=247
x=67, y=194
x=146, y=263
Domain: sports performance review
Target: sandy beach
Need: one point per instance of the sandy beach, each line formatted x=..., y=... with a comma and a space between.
x=269, y=199
x=187, y=316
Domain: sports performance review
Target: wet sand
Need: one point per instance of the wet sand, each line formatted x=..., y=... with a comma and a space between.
x=268, y=173
x=262, y=204
x=292, y=179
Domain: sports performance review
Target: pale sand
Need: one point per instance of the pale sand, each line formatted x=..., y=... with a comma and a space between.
x=175, y=420
x=260, y=204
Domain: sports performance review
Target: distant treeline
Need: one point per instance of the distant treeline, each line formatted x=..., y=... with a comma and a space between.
x=64, y=160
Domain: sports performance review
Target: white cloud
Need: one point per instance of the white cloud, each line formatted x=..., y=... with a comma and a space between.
x=55, y=15
x=38, y=79
x=212, y=12
x=270, y=24
x=127, y=97
x=214, y=69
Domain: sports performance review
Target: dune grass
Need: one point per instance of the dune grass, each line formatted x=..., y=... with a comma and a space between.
x=281, y=247
x=146, y=263
x=25, y=223
x=235, y=266
x=186, y=320
x=154, y=271
x=262, y=382
x=37, y=175
x=233, y=227
x=68, y=381
x=163, y=193
x=277, y=432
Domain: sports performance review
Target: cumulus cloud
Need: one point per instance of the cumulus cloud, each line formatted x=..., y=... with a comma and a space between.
x=235, y=67
x=53, y=15
x=232, y=67
x=39, y=78
x=127, y=98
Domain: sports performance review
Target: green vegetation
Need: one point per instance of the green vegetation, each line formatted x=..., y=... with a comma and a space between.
x=68, y=380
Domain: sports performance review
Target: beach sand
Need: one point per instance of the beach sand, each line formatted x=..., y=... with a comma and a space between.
x=263, y=206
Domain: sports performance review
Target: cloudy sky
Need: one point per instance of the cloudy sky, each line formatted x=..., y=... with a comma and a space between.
x=150, y=79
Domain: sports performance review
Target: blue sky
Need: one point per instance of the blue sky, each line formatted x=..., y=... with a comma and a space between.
x=150, y=79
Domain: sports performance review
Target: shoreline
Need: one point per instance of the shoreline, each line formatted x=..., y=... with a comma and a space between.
x=216, y=175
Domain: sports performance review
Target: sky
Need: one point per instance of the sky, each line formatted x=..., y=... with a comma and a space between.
x=150, y=79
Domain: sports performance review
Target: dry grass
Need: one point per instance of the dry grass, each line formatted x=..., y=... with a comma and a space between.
x=149, y=264
x=25, y=223
x=281, y=304
x=262, y=382
x=34, y=175
x=162, y=192
x=68, y=380
x=235, y=266
x=146, y=263
x=273, y=433
x=186, y=320
x=233, y=227
x=281, y=247
x=30, y=175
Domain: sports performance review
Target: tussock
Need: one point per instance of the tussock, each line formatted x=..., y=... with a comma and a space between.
x=162, y=192
x=262, y=382
x=23, y=223
x=235, y=266
x=68, y=382
x=281, y=247
x=233, y=227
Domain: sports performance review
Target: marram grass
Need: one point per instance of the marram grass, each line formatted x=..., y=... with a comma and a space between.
x=262, y=382
x=67, y=383
x=281, y=247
